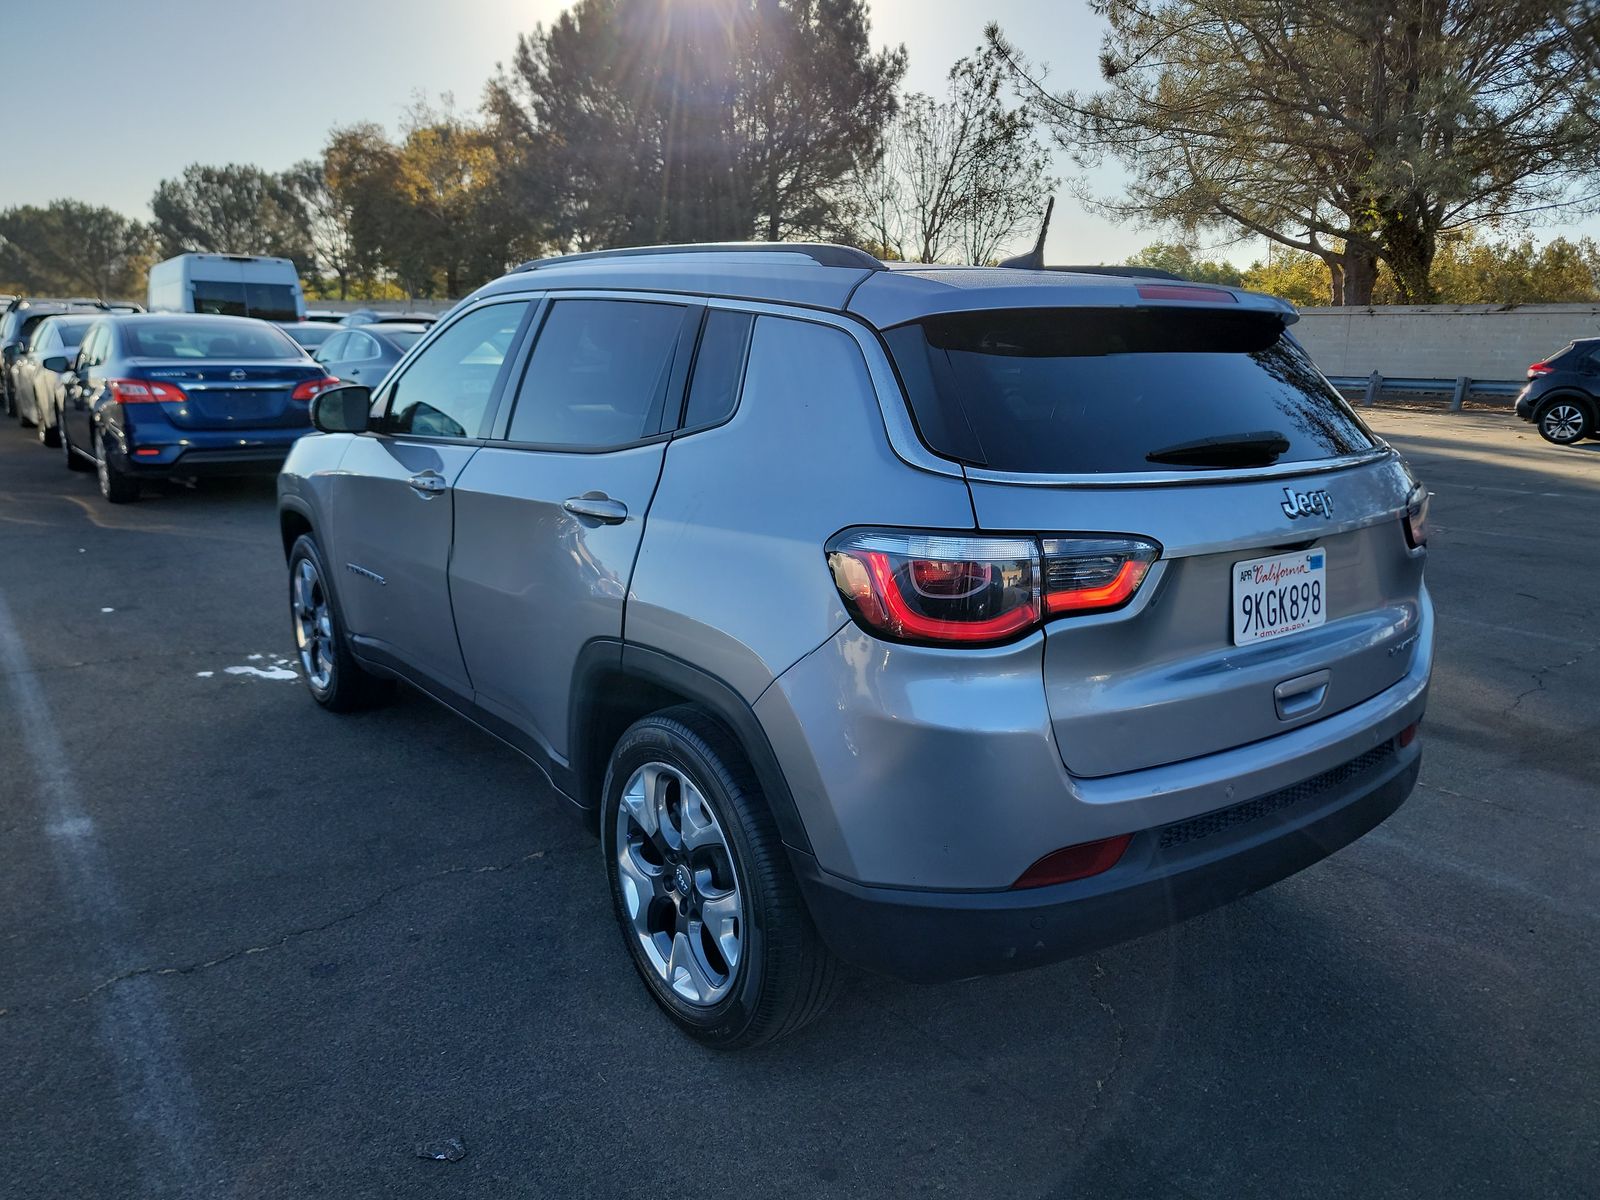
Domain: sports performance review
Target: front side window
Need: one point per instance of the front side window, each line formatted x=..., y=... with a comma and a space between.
x=445, y=391
x=361, y=348
x=598, y=375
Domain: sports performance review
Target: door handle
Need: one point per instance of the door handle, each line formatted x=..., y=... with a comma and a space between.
x=597, y=506
x=428, y=485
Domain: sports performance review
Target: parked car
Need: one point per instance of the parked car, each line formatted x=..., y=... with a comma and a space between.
x=39, y=370
x=360, y=316
x=367, y=354
x=16, y=327
x=159, y=396
x=238, y=285
x=879, y=615
x=310, y=334
x=324, y=316
x=1562, y=396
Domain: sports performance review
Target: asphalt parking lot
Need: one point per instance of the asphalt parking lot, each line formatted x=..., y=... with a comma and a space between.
x=251, y=949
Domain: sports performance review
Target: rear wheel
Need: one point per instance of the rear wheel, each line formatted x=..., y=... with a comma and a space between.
x=703, y=893
x=1563, y=421
x=116, y=485
x=337, y=681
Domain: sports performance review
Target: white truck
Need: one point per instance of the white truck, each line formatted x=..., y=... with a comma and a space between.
x=237, y=285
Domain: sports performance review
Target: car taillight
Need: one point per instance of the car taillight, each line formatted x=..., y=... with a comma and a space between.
x=144, y=391
x=961, y=589
x=1417, y=518
x=1095, y=574
x=1075, y=862
x=308, y=388
x=1539, y=368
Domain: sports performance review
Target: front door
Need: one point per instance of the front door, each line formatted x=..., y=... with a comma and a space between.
x=394, y=496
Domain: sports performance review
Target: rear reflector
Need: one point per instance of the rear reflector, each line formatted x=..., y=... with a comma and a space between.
x=1075, y=862
x=1178, y=291
x=144, y=452
x=1409, y=734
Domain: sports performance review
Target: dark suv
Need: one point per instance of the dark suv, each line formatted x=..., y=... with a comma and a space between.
x=940, y=620
x=1562, y=397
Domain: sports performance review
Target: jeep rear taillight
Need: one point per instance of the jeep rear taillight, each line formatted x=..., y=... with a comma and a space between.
x=1417, y=518
x=1539, y=368
x=961, y=589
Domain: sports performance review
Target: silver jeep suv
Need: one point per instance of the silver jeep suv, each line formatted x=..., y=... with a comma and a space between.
x=941, y=621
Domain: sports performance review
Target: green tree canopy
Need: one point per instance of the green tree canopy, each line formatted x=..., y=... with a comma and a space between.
x=67, y=247
x=233, y=209
x=1359, y=131
x=662, y=121
x=1182, y=260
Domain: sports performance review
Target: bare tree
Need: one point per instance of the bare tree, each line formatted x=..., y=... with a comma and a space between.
x=957, y=177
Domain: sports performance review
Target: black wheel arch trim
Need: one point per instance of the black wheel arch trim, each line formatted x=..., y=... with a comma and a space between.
x=604, y=664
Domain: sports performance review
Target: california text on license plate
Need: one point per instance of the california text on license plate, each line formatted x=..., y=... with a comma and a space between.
x=1277, y=596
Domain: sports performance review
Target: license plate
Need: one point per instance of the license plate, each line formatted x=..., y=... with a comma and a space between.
x=1273, y=597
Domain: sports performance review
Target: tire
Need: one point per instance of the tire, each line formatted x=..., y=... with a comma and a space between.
x=74, y=460
x=775, y=975
x=116, y=485
x=336, y=680
x=1564, y=420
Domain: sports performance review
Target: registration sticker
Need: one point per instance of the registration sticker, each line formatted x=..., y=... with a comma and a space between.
x=1274, y=597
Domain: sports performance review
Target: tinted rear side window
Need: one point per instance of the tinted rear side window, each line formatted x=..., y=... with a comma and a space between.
x=718, y=367
x=1097, y=391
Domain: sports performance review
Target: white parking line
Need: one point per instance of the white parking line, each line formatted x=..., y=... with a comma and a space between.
x=155, y=1091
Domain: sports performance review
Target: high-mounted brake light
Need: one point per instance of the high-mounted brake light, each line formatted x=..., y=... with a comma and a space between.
x=961, y=589
x=144, y=391
x=1539, y=368
x=1417, y=518
x=307, y=388
x=1179, y=291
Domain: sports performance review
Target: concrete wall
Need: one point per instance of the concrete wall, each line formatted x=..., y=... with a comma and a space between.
x=1480, y=341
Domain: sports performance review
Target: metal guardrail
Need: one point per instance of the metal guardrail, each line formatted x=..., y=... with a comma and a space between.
x=1370, y=389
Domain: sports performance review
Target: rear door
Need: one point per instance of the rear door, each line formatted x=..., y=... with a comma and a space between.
x=550, y=512
x=394, y=500
x=1284, y=588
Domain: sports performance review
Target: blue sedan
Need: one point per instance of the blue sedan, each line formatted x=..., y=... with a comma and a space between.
x=177, y=396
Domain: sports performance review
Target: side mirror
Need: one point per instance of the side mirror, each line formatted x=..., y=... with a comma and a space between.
x=342, y=409
x=56, y=363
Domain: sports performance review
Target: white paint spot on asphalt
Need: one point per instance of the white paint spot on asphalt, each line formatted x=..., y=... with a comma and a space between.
x=108, y=610
x=72, y=828
x=204, y=674
x=253, y=657
x=260, y=673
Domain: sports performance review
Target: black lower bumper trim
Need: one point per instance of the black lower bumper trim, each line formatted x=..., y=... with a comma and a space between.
x=930, y=937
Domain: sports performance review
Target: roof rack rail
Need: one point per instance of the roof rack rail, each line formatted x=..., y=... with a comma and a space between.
x=822, y=253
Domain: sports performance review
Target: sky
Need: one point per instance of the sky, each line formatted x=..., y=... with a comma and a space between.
x=165, y=83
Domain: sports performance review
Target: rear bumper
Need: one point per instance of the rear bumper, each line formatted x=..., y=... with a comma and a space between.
x=250, y=461
x=1167, y=875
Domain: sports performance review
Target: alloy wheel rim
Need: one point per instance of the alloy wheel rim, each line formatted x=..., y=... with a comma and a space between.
x=313, y=624
x=679, y=887
x=1563, y=422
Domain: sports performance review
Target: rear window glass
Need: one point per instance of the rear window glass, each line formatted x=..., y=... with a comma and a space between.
x=152, y=337
x=1112, y=391
x=268, y=301
x=404, y=338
